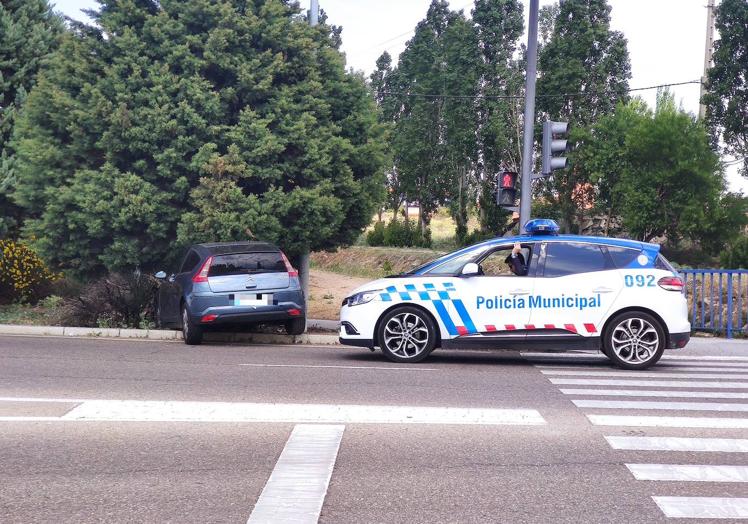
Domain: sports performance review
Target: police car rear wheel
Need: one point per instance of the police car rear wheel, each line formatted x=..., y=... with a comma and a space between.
x=406, y=334
x=634, y=340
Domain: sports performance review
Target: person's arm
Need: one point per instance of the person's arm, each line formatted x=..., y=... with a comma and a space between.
x=520, y=268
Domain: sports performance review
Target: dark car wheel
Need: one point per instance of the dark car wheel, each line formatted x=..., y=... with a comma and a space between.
x=406, y=334
x=634, y=340
x=296, y=326
x=193, y=334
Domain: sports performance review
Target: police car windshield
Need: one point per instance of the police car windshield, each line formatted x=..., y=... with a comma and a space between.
x=449, y=264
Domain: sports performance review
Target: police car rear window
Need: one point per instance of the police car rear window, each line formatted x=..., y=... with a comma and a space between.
x=622, y=256
x=247, y=264
x=562, y=258
x=662, y=263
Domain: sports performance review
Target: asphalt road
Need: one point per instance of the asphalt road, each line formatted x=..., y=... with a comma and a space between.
x=144, y=431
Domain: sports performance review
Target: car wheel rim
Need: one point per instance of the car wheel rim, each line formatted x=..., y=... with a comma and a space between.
x=635, y=341
x=406, y=335
x=185, y=323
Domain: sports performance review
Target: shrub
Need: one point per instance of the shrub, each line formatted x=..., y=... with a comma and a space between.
x=375, y=237
x=24, y=277
x=118, y=300
x=736, y=254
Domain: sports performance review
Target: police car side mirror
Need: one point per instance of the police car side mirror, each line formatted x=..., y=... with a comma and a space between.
x=471, y=269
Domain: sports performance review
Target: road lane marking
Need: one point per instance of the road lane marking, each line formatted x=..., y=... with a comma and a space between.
x=705, y=357
x=624, y=373
x=185, y=411
x=664, y=369
x=298, y=484
x=703, y=507
x=650, y=383
x=654, y=404
x=385, y=368
x=550, y=355
x=654, y=393
x=689, y=472
x=722, y=445
x=668, y=422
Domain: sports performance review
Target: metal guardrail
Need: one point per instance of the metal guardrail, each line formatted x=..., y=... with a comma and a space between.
x=717, y=299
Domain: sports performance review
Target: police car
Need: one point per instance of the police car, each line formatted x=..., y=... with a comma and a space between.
x=621, y=297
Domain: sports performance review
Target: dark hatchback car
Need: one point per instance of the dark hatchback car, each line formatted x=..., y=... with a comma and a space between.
x=231, y=283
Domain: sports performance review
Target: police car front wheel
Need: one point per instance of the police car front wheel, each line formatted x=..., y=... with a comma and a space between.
x=634, y=340
x=406, y=334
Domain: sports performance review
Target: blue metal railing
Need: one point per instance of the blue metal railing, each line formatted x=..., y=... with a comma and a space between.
x=716, y=298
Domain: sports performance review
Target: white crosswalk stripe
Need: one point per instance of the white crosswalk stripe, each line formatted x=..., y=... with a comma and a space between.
x=723, y=445
x=697, y=382
x=653, y=404
x=654, y=393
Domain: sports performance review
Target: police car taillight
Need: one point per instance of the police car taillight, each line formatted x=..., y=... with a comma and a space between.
x=671, y=283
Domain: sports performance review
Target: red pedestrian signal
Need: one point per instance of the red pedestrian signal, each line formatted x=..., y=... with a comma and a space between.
x=508, y=180
x=507, y=194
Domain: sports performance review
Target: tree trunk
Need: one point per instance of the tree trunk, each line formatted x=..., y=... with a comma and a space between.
x=304, y=274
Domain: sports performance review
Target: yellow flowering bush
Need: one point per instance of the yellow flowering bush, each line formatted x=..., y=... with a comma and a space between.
x=23, y=275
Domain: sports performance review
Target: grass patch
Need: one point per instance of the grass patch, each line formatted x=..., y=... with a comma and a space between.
x=45, y=313
x=372, y=262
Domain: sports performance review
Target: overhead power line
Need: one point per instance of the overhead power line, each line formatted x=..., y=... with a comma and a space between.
x=521, y=97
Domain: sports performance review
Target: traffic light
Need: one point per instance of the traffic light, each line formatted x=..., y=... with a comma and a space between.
x=554, y=142
x=507, y=191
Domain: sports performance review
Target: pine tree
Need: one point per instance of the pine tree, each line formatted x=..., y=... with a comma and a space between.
x=583, y=73
x=499, y=26
x=179, y=121
x=29, y=32
x=727, y=81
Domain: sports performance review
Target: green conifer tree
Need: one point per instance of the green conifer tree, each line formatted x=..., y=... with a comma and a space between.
x=29, y=32
x=180, y=121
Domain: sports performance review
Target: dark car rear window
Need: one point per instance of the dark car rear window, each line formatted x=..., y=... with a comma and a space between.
x=247, y=264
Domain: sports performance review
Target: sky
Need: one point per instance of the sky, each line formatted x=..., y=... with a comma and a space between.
x=665, y=39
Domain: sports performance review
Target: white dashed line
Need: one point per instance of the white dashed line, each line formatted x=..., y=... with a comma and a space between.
x=381, y=368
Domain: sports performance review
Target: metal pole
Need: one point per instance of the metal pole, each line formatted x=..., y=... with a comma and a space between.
x=314, y=12
x=525, y=200
x=708, y=49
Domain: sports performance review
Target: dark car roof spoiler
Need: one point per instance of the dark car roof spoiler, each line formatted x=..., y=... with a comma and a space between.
x=224, y=248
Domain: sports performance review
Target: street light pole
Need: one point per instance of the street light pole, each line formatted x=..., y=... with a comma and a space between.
x=525, y=201
x=314, y=12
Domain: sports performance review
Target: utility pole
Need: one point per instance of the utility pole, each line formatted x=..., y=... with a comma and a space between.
x=304, y=256
x=708, y=51
x=525, y=199
x=314, y=12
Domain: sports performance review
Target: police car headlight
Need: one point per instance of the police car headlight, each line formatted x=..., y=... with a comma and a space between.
x=363, y=297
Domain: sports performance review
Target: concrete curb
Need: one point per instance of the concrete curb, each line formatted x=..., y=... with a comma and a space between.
x=162, y=334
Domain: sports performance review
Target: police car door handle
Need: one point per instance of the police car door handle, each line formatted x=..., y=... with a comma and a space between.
x=603, y=290
x=519, y=292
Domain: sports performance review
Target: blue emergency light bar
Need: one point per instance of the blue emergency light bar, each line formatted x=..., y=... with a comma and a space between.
x=542, y=226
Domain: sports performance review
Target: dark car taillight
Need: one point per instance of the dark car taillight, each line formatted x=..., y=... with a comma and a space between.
x=202, y=275
x=671, y=283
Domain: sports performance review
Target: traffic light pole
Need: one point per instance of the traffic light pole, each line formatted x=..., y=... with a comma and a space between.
x=525, y=201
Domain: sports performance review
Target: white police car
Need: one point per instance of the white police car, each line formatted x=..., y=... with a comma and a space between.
x=579, y=292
